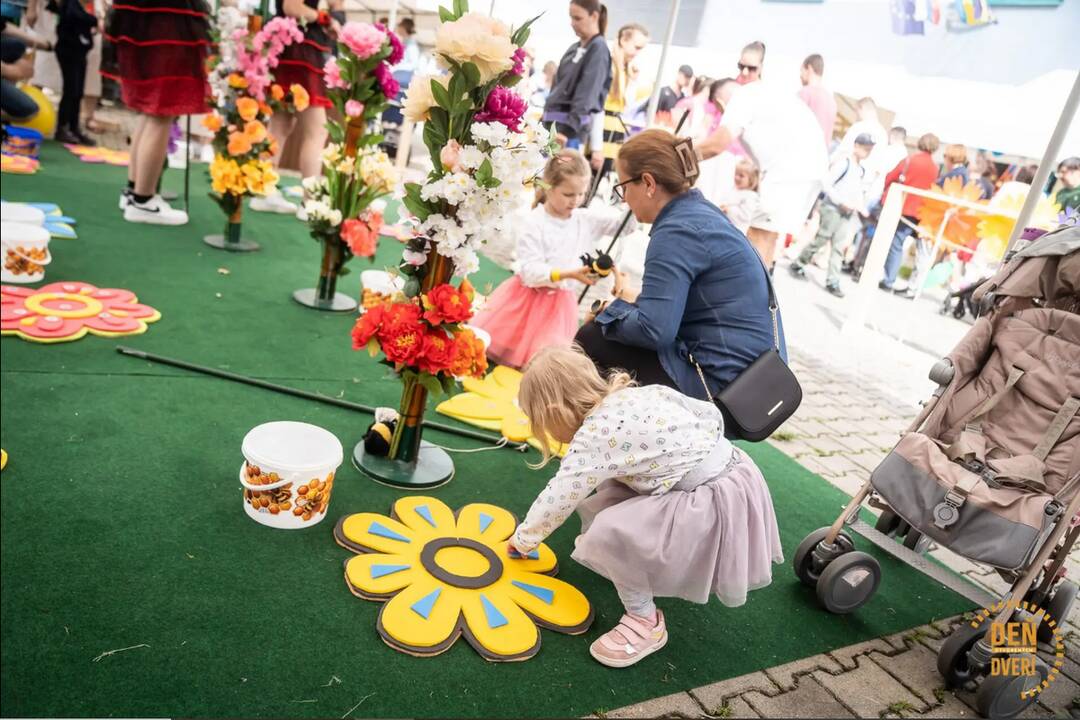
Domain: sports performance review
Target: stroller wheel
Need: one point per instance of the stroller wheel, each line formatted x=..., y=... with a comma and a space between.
x=889, y=523
x=1058, y=608
x=1003, y=696
x=952, y=659
x=848, y=582
x=916, y=541
x=804, y=556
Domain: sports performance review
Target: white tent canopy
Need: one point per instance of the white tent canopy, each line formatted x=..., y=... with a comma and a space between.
x=1014, y=118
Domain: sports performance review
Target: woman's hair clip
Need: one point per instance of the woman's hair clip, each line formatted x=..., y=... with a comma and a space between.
x=684, y=148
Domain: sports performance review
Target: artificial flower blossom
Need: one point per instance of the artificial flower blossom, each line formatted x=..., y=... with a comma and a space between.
x=418, y=97
x=363, y=39
x=482, y=213
x=332, y=75
x=361, y=234
x=479, y=39
x=503, y=106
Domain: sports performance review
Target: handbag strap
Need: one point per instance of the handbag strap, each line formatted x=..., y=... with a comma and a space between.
x=774, y=309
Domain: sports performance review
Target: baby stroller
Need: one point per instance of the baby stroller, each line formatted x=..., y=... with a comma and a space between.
x=964, y=298
x=990, y=469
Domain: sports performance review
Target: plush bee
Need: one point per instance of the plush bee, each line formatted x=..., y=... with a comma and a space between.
x=377, y=437
x=601, y=265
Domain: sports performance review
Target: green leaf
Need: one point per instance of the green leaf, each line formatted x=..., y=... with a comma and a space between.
x=521, y=35
x=442, y=97
x=471, y=74
x=449, y=384
x=414, y=203
x=431, y=383
x=461, y=7
x=445, y=15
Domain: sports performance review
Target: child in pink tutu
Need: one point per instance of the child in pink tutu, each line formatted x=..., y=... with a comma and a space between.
x=677, y=511
x=537, y=307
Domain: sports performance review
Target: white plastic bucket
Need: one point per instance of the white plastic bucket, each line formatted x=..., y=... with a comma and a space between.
x=378, y=286
x=25, y=253
x=21, y=213
x=288, y=473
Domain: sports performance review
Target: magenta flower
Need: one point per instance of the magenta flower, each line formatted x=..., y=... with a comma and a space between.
x=362, y=39
x=332, y=75
x=503, y=106
x=519, y=62
x=397, y=50
x=390, y=87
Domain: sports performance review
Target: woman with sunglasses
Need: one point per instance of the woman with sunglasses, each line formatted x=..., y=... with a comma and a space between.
x=704, y=292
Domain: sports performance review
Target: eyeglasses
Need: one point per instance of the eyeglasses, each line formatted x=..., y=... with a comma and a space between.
x=743, y=67
x=617, y=190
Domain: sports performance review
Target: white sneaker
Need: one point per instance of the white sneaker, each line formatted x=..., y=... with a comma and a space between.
x=154, y=211
x=274, y=202
x=125, y=198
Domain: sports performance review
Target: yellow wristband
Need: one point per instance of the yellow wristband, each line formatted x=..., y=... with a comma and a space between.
x=555, y=276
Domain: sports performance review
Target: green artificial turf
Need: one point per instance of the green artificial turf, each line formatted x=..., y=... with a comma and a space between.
x=123, y=525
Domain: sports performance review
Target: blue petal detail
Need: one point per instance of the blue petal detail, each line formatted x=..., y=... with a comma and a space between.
x=494, y=617
x=423, y=606
x=377, y=528
x=424, y=512
x=485, y=521
x=377, y=571
x=545, y=594
x=534, y=555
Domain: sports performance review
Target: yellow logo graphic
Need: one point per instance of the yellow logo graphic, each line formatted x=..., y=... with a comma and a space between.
x=1015, y=644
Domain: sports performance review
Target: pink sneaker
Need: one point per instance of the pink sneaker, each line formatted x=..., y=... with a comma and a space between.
x=629, y=641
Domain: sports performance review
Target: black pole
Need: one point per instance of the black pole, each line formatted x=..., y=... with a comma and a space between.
x=626, y=218
x=296, y=392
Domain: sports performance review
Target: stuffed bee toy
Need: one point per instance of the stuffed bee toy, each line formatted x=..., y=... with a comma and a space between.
x=601, y=265
x=377, y=437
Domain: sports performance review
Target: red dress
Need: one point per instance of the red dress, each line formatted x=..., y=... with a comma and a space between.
x=159, y=50
x=302, y=63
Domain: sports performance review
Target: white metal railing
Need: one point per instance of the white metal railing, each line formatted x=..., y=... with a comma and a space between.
x=863, y=299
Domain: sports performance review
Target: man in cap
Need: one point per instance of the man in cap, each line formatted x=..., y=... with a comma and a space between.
x=846, y=196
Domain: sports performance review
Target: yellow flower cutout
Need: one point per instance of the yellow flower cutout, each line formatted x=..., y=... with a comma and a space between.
x=492, y=404
x=444, y=575
x=994, y=230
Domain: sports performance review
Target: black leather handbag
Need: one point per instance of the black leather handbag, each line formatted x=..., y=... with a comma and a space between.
x=762, y=396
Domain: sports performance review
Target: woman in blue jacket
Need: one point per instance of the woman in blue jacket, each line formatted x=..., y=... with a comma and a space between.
x=705, y=291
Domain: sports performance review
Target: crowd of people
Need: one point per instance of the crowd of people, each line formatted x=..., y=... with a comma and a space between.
x=653, y=357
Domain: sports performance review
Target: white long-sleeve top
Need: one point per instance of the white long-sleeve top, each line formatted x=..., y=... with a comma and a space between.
x=549, y=243
x=648, y=438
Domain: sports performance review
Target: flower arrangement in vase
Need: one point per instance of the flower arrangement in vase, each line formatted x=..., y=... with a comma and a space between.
x=341, y=206
x=240, y=81
x=486, y=157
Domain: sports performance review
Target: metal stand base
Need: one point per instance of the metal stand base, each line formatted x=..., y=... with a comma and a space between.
x=432, y=468
x=219, y=242
x=310, y=298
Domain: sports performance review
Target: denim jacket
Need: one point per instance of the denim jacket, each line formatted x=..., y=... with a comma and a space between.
x=705, y=292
